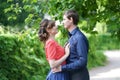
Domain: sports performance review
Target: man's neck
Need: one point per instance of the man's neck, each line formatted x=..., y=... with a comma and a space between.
x=72, y=27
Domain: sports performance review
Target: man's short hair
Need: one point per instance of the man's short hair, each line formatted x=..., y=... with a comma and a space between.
x=72, y=14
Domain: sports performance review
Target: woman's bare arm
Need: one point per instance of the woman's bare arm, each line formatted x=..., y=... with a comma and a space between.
x=56, y=63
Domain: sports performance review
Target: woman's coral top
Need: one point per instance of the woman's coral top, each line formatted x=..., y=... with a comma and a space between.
x=54, y=51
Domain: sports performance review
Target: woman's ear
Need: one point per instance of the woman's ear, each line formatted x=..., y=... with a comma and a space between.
x=48, y=30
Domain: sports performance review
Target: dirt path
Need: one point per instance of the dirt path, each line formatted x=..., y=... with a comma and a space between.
x=109, y=72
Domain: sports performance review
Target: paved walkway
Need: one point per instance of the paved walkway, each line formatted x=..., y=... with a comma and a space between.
x=109, y=72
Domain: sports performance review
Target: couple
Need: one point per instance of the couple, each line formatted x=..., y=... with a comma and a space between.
x=70, y=62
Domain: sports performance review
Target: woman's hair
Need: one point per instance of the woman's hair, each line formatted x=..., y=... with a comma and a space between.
x=72, y=14
x=44, y=25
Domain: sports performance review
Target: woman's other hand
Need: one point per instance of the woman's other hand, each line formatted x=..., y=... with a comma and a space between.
x=57, y=69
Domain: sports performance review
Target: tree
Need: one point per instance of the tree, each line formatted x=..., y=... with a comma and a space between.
x=91, y=11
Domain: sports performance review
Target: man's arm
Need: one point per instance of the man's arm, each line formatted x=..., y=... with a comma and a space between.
x=82, y=51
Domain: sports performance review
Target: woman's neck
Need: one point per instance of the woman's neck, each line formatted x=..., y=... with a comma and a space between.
x=51, y=37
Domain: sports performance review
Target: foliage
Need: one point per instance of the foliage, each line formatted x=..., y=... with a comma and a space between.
x=96, y=57
x=22, y=54
x=3, y=18
x=107, y=42
x=91, y=11
x=20, y=12
x=22, y=57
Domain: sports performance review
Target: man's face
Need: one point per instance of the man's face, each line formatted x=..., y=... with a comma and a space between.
x=66, y=22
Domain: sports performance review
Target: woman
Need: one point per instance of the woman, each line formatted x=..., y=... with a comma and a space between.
x=55, y=54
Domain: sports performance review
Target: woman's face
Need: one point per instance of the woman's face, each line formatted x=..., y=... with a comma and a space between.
x=66, y=22
x=54, y=30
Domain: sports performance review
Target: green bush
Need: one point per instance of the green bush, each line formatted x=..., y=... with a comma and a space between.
x=107, y=42
x=95, y=57
x=22, y=57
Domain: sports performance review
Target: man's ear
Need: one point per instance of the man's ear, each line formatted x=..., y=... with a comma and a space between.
x=71, y=19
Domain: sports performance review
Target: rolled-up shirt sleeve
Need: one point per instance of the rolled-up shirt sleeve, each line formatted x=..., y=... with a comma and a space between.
x=81, y=51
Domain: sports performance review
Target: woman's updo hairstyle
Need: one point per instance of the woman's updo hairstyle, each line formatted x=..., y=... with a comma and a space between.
x=44, y=25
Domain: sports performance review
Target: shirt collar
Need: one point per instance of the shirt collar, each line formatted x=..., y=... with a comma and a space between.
x=73, y=32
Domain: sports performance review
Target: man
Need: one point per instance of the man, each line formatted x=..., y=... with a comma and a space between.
x=77, y=60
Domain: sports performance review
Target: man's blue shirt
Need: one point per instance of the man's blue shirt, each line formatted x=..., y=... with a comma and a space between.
x=78, y=51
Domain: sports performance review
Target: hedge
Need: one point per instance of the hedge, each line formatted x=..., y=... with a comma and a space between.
x=22, y=56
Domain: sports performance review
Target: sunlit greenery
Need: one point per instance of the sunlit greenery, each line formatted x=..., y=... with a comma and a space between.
x=22, y=55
